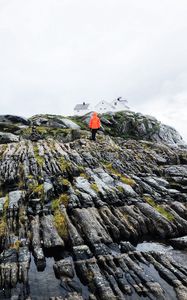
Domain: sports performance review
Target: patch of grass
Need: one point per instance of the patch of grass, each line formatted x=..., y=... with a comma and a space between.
x=26, y=131
x=30, y=177
x=2, y=227
x=40, y=160
x=120, y=189
x=6, y=204
x=41, y=130
x=22, y=215
x=39, y=190
x=159, y=208
x=3, y=222
x=123, y=178
x=84, y=175
x=36, y=190
x=2, y=150
x=16, y=245
x=63, y=199
x=127, y=180
x=65, y=182
x=61, y=224
x=94, y=187
x=64, y=164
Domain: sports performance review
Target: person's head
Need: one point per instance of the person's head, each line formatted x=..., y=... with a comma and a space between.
x=94, y=114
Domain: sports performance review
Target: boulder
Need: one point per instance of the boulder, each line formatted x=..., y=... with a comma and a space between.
x=6, y=137
x=179, y=243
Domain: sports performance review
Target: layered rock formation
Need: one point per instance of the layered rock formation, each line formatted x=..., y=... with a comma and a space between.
x=74, y=210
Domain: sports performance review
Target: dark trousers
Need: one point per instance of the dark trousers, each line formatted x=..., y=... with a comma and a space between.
x=94, y=131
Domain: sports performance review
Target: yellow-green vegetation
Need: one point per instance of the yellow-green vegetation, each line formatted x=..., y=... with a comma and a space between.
x=64, y=182
x=63, y=199
x=22, y=215
x=120, y=188
x=89, y=275
x=39, y=190
x=3, y=218
x=2, y=150
x=41, y=129
x=40, y=159
x=123, y=178
x=21, y=175
x=26, y=131
x=5, y=206
x=30, y=177
x=100, y=137
x=159, y=208
x=45, y=131
x=55, y=132
x=16, y=245
x=94, y=187
x=36, y=189
x=84, y=175
x=127, y=180
x=81, y=169
x=2, y=227
x=61, y=224
x=64, y=164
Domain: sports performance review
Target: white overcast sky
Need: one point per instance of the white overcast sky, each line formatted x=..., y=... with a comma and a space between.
x=57, y=53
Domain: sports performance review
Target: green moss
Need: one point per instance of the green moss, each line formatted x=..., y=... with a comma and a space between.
x=22, y=215
x=95, y=187
x=36, y=190
x=6, y=204
x=127, y=180
x=159, y=208
x=2, y=227
x=123, y=178
x=64, y=164
x=57, y=132
x=16, y=245
x=41, y=130
x=39, y=190
x=63, y=199
x=81, y=169
x=100, y=138
x=110, y=168
x=3, y=222
x=8, y=127
x=65, y=182
x=26, y=131
x=84, y=175
x=44, y=132
x=31, y=185
x=120, y=189
x=40, y=159
x=61, y=225
x=2, y=149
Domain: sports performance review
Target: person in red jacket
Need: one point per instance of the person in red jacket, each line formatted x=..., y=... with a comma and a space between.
x=94, y=125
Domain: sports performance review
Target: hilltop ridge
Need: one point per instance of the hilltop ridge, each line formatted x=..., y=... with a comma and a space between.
x=126, y=124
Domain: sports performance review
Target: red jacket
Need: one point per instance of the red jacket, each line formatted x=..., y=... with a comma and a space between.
x=94, y=122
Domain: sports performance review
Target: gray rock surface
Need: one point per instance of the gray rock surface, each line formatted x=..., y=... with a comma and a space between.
x=6, y=137
x=75, y=210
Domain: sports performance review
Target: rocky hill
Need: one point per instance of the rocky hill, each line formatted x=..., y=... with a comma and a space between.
x=103, y=220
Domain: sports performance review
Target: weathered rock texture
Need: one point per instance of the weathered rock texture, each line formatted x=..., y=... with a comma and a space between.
x=85, y=204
